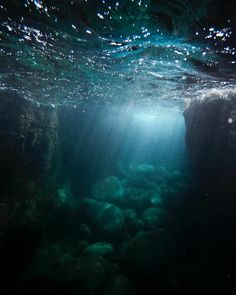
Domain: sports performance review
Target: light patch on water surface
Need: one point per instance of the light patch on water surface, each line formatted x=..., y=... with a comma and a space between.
x=113, y=54
x=216, y=93
x=38, y=3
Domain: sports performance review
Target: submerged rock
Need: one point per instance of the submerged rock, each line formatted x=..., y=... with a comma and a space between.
x=210, y=138
x=211, y=141
x=73, y=249
x=130, y=214
x=109, y=189
x=118, y=285
x=66, y=258
x=175, y=175
x=77, y=248
x=155, y=218
x=141, y=182
x=153, y=198
x=134, y=224
x=99, y=248
x=162, y=172
x=106, y=219
x=29, y=148
x=149, y=253
x=137, y=200
x=142, y=168
x=65, y=196
x=156, y=200
x=85, y=232
x=83, y=275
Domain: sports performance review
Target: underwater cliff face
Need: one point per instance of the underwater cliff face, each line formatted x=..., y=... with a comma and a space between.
x=117, y=146
x=29, y=155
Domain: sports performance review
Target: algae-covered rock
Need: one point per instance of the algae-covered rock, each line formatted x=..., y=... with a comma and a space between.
x=109, y=189
x=142, y=182
x=155, y=217
x=106, y=219
x=66, y=258
x=134, y=224
x=85, y=232
x=74, y=249
x=130, y=214
x=142, y=168
x=65, y=196
x=99, y=248
x=152, y=198
x=138, y=202
x=155, y=199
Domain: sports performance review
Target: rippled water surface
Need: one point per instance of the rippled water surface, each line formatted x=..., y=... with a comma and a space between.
x=119, y=52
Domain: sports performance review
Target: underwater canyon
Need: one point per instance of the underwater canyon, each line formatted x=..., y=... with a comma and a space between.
x=117, y=146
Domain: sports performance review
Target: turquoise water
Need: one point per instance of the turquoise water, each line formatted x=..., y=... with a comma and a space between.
x=117, y=136
x=115, y=52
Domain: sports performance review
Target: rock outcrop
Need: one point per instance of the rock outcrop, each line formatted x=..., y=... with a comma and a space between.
x=211, y=142
x=211, y=138
x=28, y=158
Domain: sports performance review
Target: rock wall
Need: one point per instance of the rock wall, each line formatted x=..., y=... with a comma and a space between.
x=28, y=158
x=211, y=139
x=211, y=143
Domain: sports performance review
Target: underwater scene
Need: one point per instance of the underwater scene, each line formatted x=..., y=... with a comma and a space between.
x=117, y=146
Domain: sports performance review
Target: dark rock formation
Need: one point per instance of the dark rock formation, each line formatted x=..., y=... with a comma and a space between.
x=211, y=143
x=211, y=138
x=28, y=158
x=106, y=220
x=150, y=253
x=99, y=248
